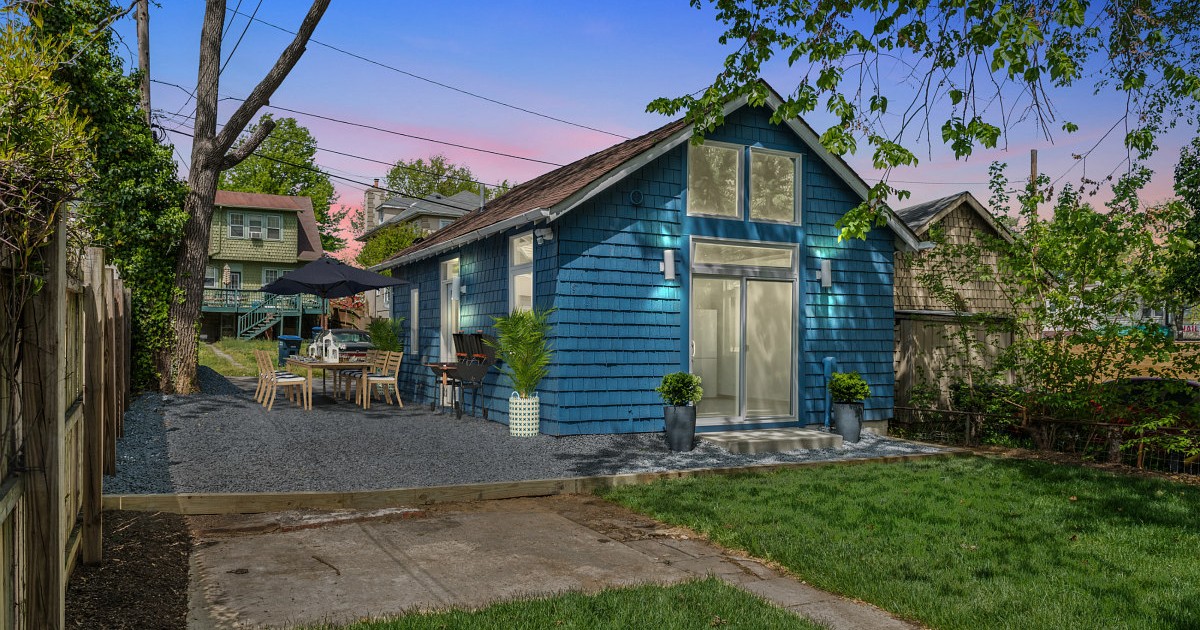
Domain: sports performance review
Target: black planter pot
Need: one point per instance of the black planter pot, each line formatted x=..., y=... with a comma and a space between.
x=680, y=427
x=847, y=420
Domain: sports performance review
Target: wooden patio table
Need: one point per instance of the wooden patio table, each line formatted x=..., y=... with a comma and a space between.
x=295, y=363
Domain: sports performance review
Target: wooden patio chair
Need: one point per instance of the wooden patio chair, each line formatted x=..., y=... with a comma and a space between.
x=349, y=376
x=294, y=385
x=389, y=378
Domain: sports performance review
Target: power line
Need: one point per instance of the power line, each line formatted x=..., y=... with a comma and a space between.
x=338, y=177
x=368, y=159
x=240, y=37
x=383, y=130
x=439, y=83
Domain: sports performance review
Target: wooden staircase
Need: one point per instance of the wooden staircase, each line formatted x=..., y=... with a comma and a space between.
x=257, y=329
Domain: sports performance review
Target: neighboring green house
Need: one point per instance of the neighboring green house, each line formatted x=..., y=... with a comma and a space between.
x=254, y=239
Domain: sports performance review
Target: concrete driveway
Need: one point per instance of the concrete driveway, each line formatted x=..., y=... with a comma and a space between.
x=281, y=570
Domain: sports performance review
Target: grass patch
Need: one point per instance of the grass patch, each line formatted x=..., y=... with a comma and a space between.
x=699, y=604
x=242, y=353
x=962, y=543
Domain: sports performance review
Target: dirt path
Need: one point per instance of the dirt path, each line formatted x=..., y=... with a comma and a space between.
x=225, y=356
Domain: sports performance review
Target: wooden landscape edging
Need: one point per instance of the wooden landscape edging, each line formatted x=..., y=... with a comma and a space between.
x=255, y=502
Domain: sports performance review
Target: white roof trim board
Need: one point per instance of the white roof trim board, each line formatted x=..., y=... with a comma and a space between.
x=907, y=238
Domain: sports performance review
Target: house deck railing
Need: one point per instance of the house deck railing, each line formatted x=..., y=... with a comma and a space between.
x=245, y=300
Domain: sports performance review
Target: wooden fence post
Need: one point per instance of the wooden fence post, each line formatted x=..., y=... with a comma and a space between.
x=127, y=350
x=43, y=405
x=93, y=410
x=110, y=369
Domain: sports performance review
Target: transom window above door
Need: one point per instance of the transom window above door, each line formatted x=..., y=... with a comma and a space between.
x=716, y=185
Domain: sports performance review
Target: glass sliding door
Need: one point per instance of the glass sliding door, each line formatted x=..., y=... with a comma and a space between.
x=744, y=330
x=770, y=327
x=717, y=344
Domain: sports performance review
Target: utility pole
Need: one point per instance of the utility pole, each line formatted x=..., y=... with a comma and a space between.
x=1033, y=172
x=143, y=37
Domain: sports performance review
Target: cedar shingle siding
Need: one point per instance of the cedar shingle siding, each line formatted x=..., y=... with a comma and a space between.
x=619, y=325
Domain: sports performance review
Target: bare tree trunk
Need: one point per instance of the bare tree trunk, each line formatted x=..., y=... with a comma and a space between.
x=210, y=155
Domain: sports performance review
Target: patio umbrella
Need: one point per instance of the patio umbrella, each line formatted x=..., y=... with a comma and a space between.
x=329, y=278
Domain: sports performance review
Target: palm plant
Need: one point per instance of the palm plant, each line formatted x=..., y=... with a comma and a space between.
x=522, y=347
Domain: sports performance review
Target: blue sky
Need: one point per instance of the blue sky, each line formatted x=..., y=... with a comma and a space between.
x=595, y=63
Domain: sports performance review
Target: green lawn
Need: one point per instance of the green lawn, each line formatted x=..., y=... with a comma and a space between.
x=242, y=353
x=963, y=543
x=708, y=603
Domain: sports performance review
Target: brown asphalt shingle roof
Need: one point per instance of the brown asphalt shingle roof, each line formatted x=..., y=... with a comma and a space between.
x=551, y=188
x=308, y=238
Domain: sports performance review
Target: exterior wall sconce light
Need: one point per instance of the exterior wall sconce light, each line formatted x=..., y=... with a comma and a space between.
x=543, y=234
x=825, y=273
x=667, y=266
x=457, y=288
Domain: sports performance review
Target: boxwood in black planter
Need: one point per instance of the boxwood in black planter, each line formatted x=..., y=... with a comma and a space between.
x=848, y=390
x=681, y=391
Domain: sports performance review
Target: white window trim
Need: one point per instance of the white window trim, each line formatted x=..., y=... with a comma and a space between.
x=278, y=220
x=740, y=186
x=264, y=227
x=517, y=270
x=240, y=224
x=414, y=330
x=278, y=272
x=797, y=174
x=216, y=277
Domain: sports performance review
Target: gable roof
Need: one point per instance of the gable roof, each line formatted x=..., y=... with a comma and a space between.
x=559, y=191
x=308, y=237
x=435, y=204
x=922, y=216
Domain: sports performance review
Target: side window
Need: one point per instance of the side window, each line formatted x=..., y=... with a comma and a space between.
x=520, y=272
x=414, y=309
x=254, y=226
x=274, y=227
x=210, y=277
x=237, y=225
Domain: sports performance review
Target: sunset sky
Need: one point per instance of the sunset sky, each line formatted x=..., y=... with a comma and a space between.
x=594, y=64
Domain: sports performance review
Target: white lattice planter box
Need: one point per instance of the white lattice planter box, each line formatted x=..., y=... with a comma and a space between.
x=522, y=416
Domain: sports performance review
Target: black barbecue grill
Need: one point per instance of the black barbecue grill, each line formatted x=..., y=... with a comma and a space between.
x=475, y=357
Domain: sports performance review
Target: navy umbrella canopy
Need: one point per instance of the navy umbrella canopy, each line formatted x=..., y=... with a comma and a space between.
x=329, y=278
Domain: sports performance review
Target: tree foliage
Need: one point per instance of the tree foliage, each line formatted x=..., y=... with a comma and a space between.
x=959, y=72
x=133, y=207
x=420, y=177
x=1079, y=283
x=1184, y=278
x=285, y=164
x=45, y=157
x=386, y=241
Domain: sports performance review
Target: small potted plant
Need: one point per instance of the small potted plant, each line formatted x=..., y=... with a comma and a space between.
x=681, y=391
x=848, y=390
x=524, y=354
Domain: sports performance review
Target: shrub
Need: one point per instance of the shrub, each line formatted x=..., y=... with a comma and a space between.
x=385, y=334
x=848, y=387
x=679, y=389
x=521, y=344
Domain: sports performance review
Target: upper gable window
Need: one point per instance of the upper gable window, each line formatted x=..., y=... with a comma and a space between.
x=716, y=187
x=255, y=226
x=714, y=180
x=774, y=180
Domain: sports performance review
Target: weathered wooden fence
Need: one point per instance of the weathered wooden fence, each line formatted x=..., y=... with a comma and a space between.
x=64, y=392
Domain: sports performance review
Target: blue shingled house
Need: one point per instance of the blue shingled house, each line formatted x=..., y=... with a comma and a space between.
x=662, y=255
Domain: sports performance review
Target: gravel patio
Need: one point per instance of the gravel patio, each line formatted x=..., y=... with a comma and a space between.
x=222, y=441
